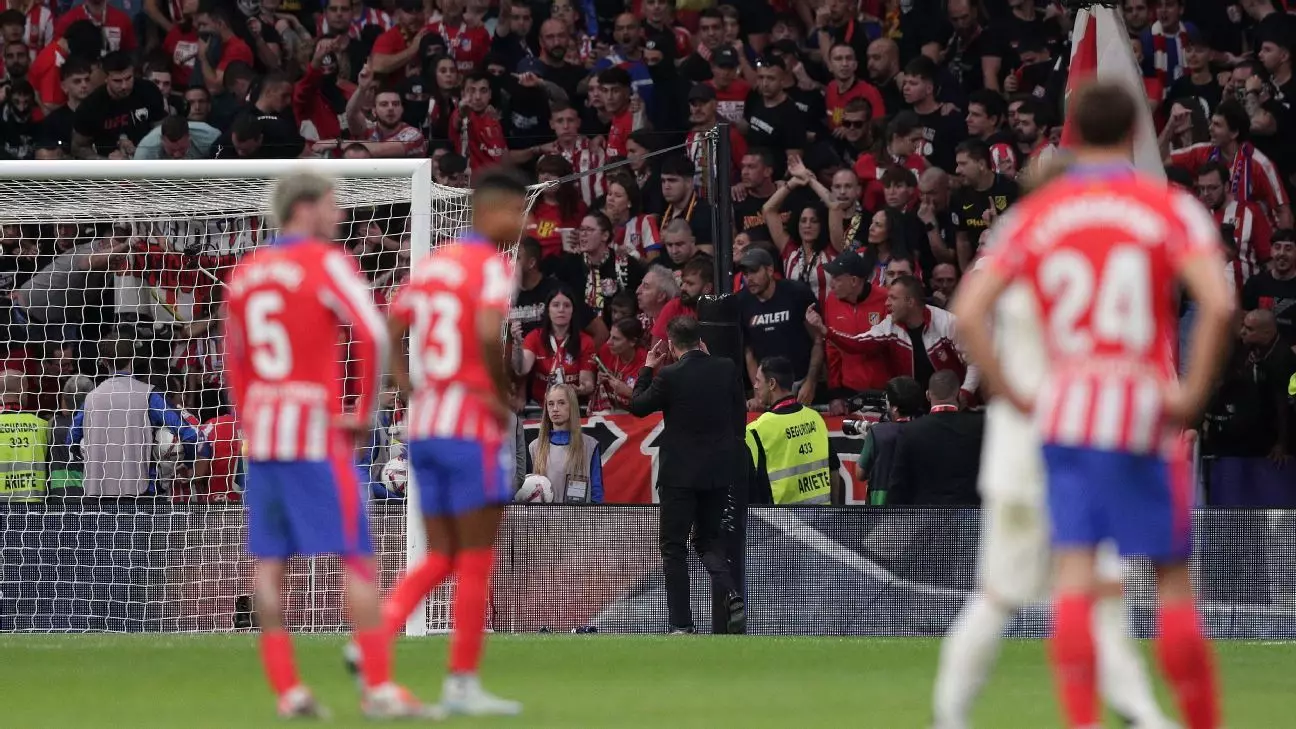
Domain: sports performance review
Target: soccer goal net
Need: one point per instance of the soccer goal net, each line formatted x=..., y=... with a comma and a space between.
x=121, y=266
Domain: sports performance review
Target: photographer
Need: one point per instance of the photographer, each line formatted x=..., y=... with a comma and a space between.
x=905, y=401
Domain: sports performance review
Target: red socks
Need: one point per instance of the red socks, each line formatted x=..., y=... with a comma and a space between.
x=1074, y=661
x=413, y=586
x=375, y=649
x=1186, y=660
x=277, y=658
x=473, y=571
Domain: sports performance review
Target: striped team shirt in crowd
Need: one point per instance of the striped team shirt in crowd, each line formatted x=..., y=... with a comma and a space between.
x=301, y=319
x=583, y=157
x=1251, y=234
x=1101, y=250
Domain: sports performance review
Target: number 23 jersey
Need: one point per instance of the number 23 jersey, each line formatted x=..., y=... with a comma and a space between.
x=441, y=303
x=1102, y=256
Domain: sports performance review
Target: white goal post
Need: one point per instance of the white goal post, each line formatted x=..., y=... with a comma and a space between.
x=149, y=242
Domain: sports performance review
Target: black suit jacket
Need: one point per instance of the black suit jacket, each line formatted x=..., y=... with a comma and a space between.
x=936, y=461
x=702, y=405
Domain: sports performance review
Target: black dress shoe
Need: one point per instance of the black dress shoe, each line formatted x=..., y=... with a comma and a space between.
x=737, y=624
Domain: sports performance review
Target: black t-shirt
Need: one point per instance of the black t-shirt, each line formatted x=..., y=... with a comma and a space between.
x=529, y=305
x=1263, y=291
x=105, y=120
x=964, y=59
x=813, y=109
x=968, y=206
x=922, y=366
x=527, y=122
x=17, y=133
x=780, y=127
x=918, y=27
x=1008, y=32
x=777, y=326
x=699, y=217
x=567, y=77
x=1183, y=87
x=748, y=214
x=941, y=134
x=695, y=68
x=57, y=126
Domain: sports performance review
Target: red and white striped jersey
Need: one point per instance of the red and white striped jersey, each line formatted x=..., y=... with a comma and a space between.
x=583, y=157
x=452, y=386
x=410, y=137
x=40, y=28
x=1102, y=251
x=1251, y=234
x=639, y=236
x=367, y=17
x=300, y=319
x=1252, y=175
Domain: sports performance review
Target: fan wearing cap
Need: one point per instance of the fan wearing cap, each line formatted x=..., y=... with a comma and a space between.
x=772, y=314
x=806, y=92
x=398, y=48
x=773, y=120
x=1032, y=76
x=854, y=306
x=697, y=67
x=731, y=87
x=703, y=116
x=1275, y=55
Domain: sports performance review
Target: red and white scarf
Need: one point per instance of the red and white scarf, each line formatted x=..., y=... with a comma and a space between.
x=1240, y=174
x=1161, y=55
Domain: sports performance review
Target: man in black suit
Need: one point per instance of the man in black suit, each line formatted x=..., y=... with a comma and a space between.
x=937, y=456
x=702, y=405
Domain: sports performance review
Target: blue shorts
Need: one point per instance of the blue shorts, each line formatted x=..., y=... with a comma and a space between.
x=306, y=508
x=455, y=476
x=1142, y=502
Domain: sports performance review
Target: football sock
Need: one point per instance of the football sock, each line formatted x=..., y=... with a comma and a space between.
x=1186, y=659
x=1121, y=678
x=472, y=572
x=1072, y=653
x=412, y=587
x=375, y=653
x=967, y=655
x=277, y=658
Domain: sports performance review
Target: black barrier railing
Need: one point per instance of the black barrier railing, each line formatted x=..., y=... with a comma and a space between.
x=161, y=567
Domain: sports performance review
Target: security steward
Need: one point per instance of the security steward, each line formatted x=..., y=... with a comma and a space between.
x=793, y=463
x=24, y=444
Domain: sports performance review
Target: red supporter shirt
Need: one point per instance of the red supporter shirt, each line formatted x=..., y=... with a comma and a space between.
x=467, y=46
x=227, y=450
x=391, y=42
x=547, y=363
x=477, y=136
x=836, y=100
x=627, y=372
x=118, y=30
x=182, y=49
x=671, y=311
x=731, y=101
x=1251, y=236
x=453, y=388
x=870, y=173
x=410, y=137
x=619, y=134
x=233, y=50
x=854, y=372
x=1104, y=278
x=545, y=221
x=44, y=75
x=1253, y=176
x=292, y=305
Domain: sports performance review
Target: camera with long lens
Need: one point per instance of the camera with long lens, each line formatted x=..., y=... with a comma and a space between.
x=855, y=428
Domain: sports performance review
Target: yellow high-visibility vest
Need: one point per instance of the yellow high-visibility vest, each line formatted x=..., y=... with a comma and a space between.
x=24, y=453
x=796, y=455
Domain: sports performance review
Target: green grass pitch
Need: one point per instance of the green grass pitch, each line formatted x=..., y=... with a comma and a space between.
x=573, y=682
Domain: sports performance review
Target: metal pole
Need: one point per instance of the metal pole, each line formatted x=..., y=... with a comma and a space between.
x=722, y=225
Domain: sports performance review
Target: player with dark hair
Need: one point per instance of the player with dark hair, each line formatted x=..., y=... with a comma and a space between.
x=289, y=306
x=1103, y=251
x=460, y=437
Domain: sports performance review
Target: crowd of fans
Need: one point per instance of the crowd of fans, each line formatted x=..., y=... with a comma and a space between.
x=873, y=144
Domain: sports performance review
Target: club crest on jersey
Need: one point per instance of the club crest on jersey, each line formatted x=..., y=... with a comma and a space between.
x=940, y=355
x=875, y=318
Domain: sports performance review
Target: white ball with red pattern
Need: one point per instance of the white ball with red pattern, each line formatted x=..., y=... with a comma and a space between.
x=535, y=489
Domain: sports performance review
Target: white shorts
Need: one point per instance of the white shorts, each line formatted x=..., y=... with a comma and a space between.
x=1015, y=562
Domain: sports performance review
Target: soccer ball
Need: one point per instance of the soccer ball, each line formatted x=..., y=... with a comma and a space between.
x=167, y=450
x=535, y=490
x=395, y=475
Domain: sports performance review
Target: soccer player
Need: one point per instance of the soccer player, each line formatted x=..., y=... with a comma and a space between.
x=1102, y=251
x=289, y=306
x=460, y=440
x=1014, y=555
